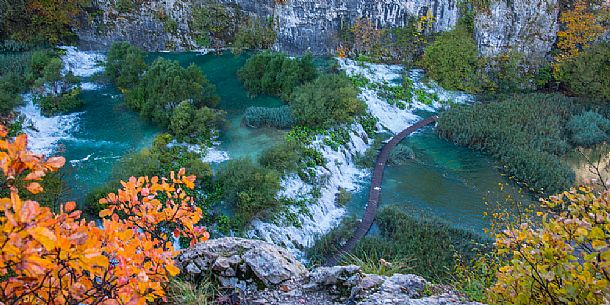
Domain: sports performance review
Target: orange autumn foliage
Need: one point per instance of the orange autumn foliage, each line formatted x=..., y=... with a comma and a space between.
x=48, y=258
x=581, y=27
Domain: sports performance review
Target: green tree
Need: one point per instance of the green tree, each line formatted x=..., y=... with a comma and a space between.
x=125, y=64
x=589, y=74
x=329, y=100
x=248, y=188
x=195, y=125
x=276, y=73
x=452, y=60
x=165, y=85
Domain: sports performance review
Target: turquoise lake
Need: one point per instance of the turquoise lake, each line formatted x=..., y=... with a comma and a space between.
x=444, y=180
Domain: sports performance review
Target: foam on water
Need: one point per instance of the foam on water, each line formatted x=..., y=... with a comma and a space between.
x=210, y=154
x=81, y=63
x=47, y=132
x=338, y=173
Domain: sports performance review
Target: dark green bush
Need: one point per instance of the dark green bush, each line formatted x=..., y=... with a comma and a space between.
x=328, y=244
x=429, y=245
x=213, y=20
x=280, y=117
x=589, y=74
x=276, y=73
x=248, y=188
x=63, y=103
x=588, y=128
x=526, y=132
x=125, y=64
x=284, y=157
x=192, y=125
x=329, y=100
x=165, y=85
x=452, y=60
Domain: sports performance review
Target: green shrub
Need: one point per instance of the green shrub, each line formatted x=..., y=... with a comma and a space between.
x=329, y=100
x=589, y=74
x=192, y=125
x=276, y=73
x=525, y=132
x=401, y=154
x=588, y=128
x=125, y=64
x=63, y=103
x=280, y=117
x=427, y=246
x=248, y=188
x=254, y=34
x=452, y=60
x=125, y=6
x=165, y=85
x=213, y=19
x=328, y=244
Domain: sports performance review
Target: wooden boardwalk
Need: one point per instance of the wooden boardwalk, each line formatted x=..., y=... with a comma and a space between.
x=375, y=190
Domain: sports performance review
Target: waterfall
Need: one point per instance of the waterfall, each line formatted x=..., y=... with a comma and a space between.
x=340, y=170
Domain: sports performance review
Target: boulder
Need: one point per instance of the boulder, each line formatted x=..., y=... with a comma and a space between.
x=241, y=263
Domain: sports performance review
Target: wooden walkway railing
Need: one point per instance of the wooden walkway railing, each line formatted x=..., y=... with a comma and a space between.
x=375, y=190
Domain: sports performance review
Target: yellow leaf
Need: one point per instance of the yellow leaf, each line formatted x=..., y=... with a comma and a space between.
x=43, y=236
x=173, y=270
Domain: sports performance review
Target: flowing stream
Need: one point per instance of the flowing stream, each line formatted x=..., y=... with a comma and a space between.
x=443, y=180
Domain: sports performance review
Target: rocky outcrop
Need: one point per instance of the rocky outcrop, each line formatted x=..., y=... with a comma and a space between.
x=263, y=273
x=241, y=263
x=526, y=26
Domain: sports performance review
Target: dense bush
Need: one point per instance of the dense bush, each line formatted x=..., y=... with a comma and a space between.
x=588, y=128
x=58, y=104
x=588, y=74
x=279, y=117
x=125, y=64
x=188, y=124
x=451, y=60
x=526, y=132
x=276, y=73
x=165, y=85
x=428, y=247
x=254, y=33
x=329, y=100
x=248, y=188
x=16, y=74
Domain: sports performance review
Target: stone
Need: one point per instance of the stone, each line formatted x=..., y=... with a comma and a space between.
x=527, y=26
x=241, y=263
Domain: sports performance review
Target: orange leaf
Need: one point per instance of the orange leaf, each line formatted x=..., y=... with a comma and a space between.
x=34, y=188
x=3, y=131
x=106, y=212
x=172, y=270
x=55, y=163
x=43, y=236
x=70, y=206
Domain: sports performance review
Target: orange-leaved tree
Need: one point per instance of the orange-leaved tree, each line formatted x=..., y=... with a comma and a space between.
x=49, y=258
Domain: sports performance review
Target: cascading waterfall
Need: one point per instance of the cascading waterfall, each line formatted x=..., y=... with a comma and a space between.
x=47, y=132
x=340, y=170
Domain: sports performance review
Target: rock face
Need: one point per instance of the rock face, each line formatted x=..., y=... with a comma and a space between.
x=266, y=274
x=242, y=263
x=525, y=25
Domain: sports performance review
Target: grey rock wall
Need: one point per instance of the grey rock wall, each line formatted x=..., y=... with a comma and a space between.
x=528, y=26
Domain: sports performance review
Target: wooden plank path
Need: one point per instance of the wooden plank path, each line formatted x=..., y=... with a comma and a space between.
x=375, y=190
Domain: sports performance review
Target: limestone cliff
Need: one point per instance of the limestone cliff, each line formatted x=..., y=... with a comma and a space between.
x=525, y=25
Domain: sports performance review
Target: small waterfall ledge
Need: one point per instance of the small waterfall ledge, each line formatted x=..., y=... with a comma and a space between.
x=340, y=170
